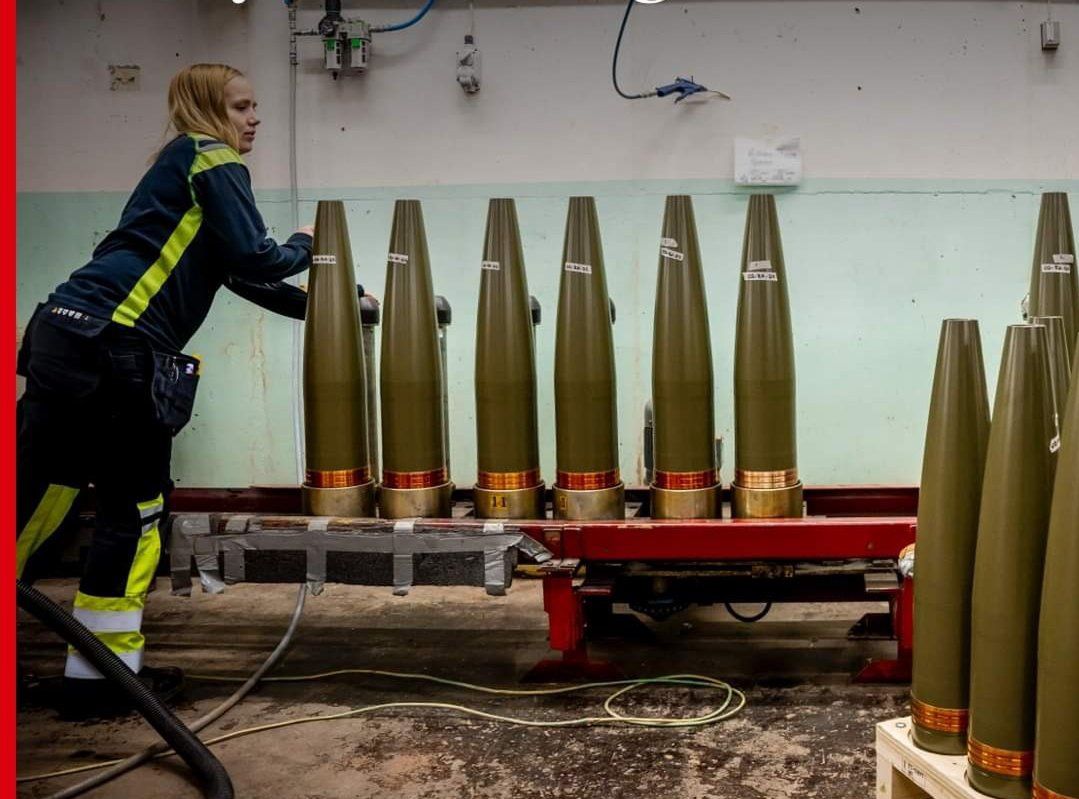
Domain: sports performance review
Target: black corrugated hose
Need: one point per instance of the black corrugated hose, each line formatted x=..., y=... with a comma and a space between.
x=216, y=782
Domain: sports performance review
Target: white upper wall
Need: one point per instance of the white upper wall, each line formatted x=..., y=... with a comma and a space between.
x=875, y=88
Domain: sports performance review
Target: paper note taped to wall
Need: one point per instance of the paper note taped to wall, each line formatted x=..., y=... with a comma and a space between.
x=767, y=162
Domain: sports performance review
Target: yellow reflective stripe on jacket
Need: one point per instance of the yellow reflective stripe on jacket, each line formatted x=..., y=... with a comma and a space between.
x=154, y=278
x=215, y=157
x=120, y=643
x=48, y=515
x=128, y=312
x=114, y=603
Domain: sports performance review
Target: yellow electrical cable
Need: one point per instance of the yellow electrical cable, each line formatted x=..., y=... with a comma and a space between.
x=724, y=711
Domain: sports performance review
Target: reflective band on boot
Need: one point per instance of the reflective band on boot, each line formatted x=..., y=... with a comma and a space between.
x=117, y=622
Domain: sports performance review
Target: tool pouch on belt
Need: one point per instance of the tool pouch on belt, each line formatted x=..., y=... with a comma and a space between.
x=176, y=377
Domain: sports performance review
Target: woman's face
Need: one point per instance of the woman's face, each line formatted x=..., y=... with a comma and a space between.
x=241, y=105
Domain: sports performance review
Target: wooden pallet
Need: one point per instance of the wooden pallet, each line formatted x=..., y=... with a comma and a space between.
x=906, y=772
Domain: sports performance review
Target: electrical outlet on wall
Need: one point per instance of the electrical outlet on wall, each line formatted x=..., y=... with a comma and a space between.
x=124, y=77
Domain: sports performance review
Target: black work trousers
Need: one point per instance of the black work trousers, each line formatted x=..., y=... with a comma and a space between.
x=87, y=417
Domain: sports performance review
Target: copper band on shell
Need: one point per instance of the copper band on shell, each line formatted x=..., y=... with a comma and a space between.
x=939, y=719
x=1041, y=792
x=337, y=478
x=508, y=481
x=586, y=481
x=428, y=479
x=685, y=481
x=1003, y=762
x=783, y=478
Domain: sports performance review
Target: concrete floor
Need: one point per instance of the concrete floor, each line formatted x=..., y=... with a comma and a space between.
x=807, y=731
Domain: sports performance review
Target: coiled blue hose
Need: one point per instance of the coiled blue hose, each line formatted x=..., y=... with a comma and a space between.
x=400, y=26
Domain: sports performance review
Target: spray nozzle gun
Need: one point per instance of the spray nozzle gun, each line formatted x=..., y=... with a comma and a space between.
x=684, y=87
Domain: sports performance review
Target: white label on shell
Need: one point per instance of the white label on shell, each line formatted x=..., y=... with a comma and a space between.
x=674, y=255
x=760, y=266
x=1054, y=445
x=397, y=258
x=584, y=269
x=324, y=260
x=1063, y=258
x=668, y=242
x=493, y=266
x=1058, y=269
x=769, y=276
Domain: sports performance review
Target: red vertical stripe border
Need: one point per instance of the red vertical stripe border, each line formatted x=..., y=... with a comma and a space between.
x=7, y=366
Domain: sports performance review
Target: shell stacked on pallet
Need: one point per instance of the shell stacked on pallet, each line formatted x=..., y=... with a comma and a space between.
x=1008, y=569
x=766, y=480
x=1060, y=367
x=338, y=479
x=587, y=484
x=415, y=478
x=949, y=501
x=1056, y=740
x=686, y=484
x=1054, y=283
x=508, y=484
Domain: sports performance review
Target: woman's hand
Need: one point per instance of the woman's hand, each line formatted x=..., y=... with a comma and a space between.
x=308, y=229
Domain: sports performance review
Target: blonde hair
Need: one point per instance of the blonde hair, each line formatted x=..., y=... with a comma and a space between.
x=197, y=102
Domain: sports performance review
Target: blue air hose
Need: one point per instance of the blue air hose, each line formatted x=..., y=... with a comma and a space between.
x=400, y=26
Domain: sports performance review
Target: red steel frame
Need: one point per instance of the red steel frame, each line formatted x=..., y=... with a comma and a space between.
x=810, y=538
x=844, y=522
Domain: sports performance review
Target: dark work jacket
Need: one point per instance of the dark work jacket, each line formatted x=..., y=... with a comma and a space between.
x=190, y=227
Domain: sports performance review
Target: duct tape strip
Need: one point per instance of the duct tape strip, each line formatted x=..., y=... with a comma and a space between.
x=402, y=557
x=192, y=536
x=494, y=572
x=190, y=540
x=316, y=554
x=235, y=571
x=206, y=562
x=534, y=549
x=494, y=562
x=182, y=551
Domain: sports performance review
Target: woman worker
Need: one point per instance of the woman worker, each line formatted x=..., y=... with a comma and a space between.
x=107, y=386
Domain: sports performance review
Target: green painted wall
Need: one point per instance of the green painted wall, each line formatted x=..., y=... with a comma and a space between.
x=874, y=266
